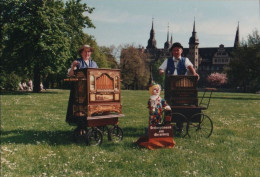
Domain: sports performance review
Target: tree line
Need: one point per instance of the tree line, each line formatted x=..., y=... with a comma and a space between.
x=39, y=40
x=241, y=74
x=244, y=67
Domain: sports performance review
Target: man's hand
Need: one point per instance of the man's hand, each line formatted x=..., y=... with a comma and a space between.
x=196, y=74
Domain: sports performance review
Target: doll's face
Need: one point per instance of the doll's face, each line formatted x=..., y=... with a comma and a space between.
x=156, y=91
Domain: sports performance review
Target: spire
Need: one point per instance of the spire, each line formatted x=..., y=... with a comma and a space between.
x=167, y=43
x=236, y=43
x=171, y=41
x=152, y=41
x=194, y=30
x=193, y=38
x=168, y=34
x=152, y=26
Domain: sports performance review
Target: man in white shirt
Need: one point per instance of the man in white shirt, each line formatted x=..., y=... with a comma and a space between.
x=177, y=65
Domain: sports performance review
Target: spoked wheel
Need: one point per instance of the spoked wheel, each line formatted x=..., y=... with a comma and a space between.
x=181, y=127
x=79, y=135
x=200, y=126
x=94, y=137
x=115, y=134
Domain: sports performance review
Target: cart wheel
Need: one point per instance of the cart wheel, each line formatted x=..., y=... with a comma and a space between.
x=115, y=134
x=183, y=121
x=94, y=137
x=200, y=126
x=79, y=135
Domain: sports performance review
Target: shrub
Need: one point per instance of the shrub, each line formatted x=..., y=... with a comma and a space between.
x=11, y=81
x=2, y=81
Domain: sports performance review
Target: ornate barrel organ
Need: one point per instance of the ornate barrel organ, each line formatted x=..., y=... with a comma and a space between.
x=181, y=90
x=96, y=92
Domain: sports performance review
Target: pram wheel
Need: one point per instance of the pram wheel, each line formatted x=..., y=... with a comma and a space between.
x=94, y=137
x=200, y=126
x=115, y=134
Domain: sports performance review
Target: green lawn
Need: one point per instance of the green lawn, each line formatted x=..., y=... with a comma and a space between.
x=36, y=140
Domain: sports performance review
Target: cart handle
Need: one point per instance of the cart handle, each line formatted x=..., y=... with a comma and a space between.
x=73, y=79
x=210, y=89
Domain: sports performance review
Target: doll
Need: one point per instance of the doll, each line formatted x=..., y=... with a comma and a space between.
x=156, y=105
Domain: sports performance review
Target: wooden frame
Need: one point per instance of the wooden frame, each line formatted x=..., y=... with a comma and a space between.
x=96, y=92
x=181, y=90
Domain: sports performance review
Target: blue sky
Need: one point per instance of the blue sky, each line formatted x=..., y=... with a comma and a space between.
x=120, y=22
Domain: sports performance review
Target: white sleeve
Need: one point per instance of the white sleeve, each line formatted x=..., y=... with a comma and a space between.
x=164, y=65
x=188, y=63
x=70, y=69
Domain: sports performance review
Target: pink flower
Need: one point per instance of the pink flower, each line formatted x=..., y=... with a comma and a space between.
x=217, y=79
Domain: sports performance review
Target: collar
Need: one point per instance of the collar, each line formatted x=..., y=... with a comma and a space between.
x=154, y=97
x=176, y=59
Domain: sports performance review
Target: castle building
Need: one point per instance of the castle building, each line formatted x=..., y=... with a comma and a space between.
x=206, y=60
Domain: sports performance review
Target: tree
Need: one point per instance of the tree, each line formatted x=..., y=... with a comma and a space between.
x=159, y=79
x=110, y=58
x=39, y=36
x=243, y=70
x=134, y=69
x=77, y=21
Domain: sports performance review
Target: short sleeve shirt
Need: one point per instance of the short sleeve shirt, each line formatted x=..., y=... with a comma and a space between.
x=176, y=61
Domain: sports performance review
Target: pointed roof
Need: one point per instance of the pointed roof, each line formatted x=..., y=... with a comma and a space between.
x=152, y=41
x=236, y=43
x=194, y=39
x=167, y=43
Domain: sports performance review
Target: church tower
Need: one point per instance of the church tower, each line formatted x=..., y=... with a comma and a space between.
x=167, y=44
x=193, y=54
x=152, y=41
x=236, y=43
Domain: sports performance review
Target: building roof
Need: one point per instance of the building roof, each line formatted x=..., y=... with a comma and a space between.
x=207, y=53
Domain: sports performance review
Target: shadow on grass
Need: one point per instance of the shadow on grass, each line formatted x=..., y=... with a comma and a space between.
x=52, y=137
x=36, y=137
x=133, y=132
x=234, y=98
x=26, y=92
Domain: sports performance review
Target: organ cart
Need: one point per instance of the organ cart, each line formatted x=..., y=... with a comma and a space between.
x=187, y=112
x=95, y=105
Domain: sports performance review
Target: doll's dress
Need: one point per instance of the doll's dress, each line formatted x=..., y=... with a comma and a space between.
x=156, y=106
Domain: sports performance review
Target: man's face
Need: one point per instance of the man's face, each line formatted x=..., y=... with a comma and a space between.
x=176, y=52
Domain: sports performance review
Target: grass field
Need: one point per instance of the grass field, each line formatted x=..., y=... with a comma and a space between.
x=36, y=140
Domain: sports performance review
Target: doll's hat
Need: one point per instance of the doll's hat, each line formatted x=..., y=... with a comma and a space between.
x=152, y=84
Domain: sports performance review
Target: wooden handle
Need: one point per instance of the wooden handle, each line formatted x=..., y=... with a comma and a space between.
x=210, y=89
